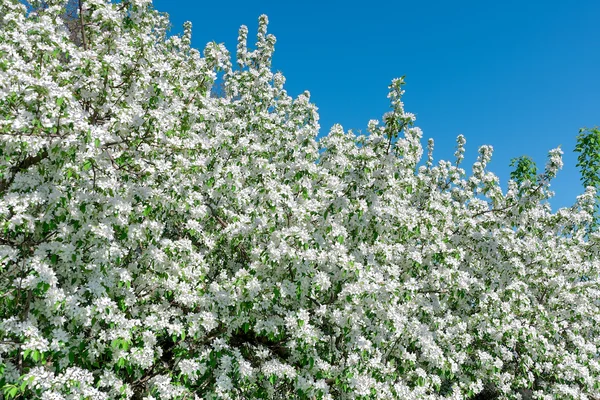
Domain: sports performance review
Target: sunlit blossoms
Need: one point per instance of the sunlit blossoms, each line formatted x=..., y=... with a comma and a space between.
x=160, y=243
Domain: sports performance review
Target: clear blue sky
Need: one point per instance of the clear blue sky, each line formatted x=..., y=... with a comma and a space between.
x=522, y=76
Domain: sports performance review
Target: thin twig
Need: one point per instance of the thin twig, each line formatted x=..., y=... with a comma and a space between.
x=82, y=25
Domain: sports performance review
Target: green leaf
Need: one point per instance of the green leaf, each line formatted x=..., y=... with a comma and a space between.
x=12, y=392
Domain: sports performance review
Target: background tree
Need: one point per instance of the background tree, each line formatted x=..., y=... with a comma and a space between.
x=588, y=147
x=525, y=169
x=74, y=23
x=71, y=17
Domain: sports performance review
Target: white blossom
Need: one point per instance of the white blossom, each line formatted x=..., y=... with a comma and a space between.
x=153, y=235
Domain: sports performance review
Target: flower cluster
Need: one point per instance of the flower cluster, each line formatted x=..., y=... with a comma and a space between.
x=157, y=242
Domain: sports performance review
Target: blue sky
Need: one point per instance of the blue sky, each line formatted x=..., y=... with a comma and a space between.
x=521, y=76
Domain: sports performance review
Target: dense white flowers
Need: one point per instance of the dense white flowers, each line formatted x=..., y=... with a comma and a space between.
x=160, y=243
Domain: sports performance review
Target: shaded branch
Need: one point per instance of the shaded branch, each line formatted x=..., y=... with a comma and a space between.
x=22, y=166
x=252, y=339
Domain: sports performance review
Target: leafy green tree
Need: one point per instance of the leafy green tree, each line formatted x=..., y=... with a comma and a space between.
x=525, y=169
x=588, y=147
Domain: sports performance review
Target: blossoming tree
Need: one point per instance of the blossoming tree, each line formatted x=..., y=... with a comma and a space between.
x=160, y=243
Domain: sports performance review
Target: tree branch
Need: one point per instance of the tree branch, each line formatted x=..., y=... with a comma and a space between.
x=82, y=25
